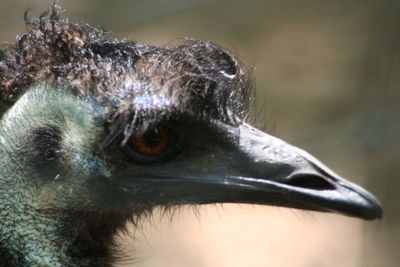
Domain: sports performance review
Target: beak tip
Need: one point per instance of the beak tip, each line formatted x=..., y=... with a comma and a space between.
x=375, y=210
x=371, y=208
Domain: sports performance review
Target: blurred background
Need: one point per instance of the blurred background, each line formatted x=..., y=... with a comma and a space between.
x=327, y=79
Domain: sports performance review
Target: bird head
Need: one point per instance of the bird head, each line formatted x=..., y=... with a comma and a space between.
x=99, y=127
x=135, y=126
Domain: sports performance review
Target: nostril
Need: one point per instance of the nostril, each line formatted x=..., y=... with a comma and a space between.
x=310, y=182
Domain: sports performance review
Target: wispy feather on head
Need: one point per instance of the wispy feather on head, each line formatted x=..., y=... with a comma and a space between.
x=138, y=84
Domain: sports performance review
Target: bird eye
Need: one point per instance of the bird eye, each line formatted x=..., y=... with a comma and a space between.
x=153, y=145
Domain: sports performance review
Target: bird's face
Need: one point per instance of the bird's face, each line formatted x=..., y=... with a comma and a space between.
x=63, y=141
x=121, y=126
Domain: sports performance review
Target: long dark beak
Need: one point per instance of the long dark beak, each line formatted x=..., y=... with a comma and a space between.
x=260, y=169
x=300, y=180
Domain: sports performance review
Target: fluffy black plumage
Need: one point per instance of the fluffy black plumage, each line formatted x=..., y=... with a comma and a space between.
x=138, y=83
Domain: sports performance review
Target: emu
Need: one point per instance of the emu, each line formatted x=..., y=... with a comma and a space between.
x=96, y=132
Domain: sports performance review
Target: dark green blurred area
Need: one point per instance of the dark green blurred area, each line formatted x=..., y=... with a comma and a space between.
x=326, y=74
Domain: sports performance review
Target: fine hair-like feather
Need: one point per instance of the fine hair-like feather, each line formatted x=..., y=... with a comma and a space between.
x=137, y=83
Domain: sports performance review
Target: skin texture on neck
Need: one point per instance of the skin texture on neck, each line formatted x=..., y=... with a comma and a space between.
x=45, y=218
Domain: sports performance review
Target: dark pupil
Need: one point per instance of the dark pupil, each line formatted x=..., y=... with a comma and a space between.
x=152, y=138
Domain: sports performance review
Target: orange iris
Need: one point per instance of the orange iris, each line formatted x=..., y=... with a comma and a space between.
x=152, y=143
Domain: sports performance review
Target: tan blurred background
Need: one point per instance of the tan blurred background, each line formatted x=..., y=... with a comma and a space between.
x=327, y=79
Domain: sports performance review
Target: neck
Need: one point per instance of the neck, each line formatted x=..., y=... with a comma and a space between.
x=95, y=244
x=88, y=240
x=45, y=221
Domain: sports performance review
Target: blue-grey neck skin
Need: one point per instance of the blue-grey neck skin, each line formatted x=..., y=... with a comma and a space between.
x=33, y=225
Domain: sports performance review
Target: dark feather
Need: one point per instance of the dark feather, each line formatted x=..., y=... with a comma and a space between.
x=193, y=77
